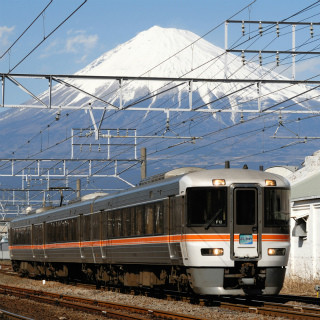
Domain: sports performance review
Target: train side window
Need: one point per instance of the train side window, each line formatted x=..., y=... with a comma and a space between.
x=126, y=222
x=110, y=224
x=117, y=223
x=48, y=232
x=159, y=229
x=104, y=225
x=149, y=218
x=51, y=232
x=38, y=229
x=65, y=228
x=140, y=221
x=133, y=221
x=22, y=235
x=86, y=229
x=95, y=226
x=72, y=229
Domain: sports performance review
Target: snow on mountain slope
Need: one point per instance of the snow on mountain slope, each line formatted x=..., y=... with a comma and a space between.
x=169, y=52
x=158, y=52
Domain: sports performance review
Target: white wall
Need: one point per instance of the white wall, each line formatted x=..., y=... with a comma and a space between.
x=304, y=260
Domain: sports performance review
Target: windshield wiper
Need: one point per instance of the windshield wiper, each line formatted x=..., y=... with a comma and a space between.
x=212, y=219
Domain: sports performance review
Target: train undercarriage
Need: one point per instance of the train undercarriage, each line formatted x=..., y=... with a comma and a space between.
x=245, y=277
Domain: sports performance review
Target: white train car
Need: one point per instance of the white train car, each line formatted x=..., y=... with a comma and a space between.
x=215, y=232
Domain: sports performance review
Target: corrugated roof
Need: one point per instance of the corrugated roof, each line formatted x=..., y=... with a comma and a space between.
x=308, y=188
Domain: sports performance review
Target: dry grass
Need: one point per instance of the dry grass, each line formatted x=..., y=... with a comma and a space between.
x=299, y=286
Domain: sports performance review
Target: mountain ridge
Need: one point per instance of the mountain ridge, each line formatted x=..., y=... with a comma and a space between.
x=134, y=58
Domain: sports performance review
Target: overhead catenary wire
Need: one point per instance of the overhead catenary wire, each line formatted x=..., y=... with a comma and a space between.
x=46, y=37
x=22, y=34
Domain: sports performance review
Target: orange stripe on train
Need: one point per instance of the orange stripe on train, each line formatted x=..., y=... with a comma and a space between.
x=149, y=240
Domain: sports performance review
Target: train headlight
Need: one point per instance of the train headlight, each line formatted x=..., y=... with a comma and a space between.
x=270, y=183
x=276, y=251
x=212, y=252
x=218, y=182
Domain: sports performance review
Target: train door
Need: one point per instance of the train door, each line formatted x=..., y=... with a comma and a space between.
x=174, y=236
x=245, y=205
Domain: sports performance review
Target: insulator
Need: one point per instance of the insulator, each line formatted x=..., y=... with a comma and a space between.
x=241, y=118
x=90, y=147
x=277, y=59
x=243, y=58
x=260, y=28
x=99, y=148
x=243, y=28
x=277, y=30
x=311, y=30
x=81, y=148
x=58, y=115
x=260, y=58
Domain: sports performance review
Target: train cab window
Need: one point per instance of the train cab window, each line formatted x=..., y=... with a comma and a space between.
x=207, y=207
x=276, y=207
x=246, y=202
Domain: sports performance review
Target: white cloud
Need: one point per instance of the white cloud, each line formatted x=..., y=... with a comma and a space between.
x=81, y=42
x=311, y=65
x=78, y=42
x=4, y=33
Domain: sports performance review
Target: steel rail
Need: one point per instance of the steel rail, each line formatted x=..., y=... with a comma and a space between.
x=4, y=314
x=249, y=305
x=93, y=306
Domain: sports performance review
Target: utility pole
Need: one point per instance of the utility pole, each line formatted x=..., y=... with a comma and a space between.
x=143, y=163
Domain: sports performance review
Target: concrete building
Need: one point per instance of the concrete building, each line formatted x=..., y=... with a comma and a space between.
x=304, y=261
x=305, y=228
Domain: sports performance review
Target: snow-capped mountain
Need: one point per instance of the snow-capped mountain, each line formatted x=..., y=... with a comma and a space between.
x=158, y=52
x=169, y=52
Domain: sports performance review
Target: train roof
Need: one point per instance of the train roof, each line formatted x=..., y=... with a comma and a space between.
x=162, y=188
x=231, y=176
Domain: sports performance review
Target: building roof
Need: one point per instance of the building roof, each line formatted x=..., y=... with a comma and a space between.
x=308, y=188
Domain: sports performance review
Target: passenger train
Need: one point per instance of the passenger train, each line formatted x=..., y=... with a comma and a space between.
x=211, y=232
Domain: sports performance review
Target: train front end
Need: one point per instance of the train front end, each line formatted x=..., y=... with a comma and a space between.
x=236, y=234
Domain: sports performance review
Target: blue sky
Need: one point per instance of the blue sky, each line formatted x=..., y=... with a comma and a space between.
x=101, y=25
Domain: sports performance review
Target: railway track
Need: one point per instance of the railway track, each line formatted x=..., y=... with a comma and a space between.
x=263, y=305
x=103, y=308
x=120, y=311
x=4, y=314
x=276, y=310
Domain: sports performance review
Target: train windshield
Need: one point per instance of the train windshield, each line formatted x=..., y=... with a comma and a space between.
x=276, y=207
x=207, y=207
